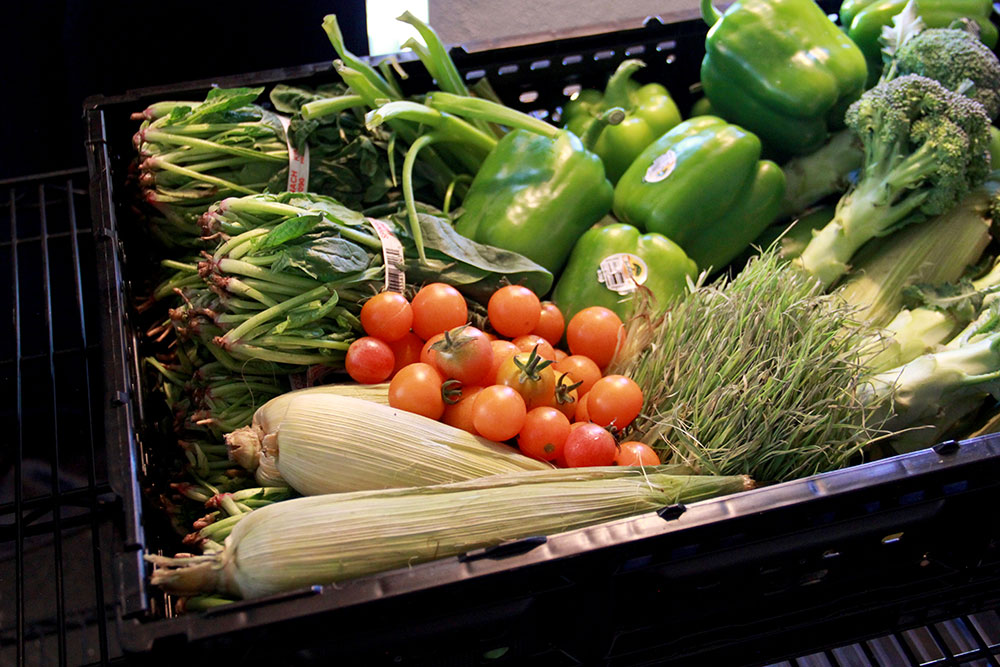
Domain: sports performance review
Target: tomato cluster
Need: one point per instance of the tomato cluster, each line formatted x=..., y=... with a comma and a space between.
x=515, y=385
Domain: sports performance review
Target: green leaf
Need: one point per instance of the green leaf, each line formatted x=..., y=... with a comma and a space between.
x=480, y=268
x=286, y=231
x=326, y=259
x=959, y=300
x=905, y=25
x=308, y=314
x=219, y=100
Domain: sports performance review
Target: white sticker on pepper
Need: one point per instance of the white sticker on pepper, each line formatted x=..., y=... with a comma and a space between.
x=662, y=167
x=622, y=272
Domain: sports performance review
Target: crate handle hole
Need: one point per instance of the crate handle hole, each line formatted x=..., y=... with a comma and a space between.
x=507, y=69
x=528, y=97
x=893, y=538
x=540, y=64
x=572, y=60
x=636, y=50
x=475, y=74
x=572, y=91
x=603, y=55
x=667, y=45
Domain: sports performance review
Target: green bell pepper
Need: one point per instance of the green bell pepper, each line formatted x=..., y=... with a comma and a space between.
x=608, y=263
x=781, y=69
x=650, y=111
x=538, y=191
x=864, y=19
x=704, y=186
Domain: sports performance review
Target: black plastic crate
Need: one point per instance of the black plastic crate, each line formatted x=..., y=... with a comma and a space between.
x=746, y=579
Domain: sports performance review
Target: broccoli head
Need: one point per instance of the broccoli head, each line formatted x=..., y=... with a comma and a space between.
x=956, y=58
x=925, y=147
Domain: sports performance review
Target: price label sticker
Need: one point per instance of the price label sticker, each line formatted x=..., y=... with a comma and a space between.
x=622, y=272
x=392, y=256
x=298, y=163
x=662, y=167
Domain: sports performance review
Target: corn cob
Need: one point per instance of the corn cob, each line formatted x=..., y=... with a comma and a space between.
x=325, y=443
x=331, y=538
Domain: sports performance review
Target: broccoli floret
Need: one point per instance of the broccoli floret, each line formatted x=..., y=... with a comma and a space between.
x=925, y=147
x=956, y=58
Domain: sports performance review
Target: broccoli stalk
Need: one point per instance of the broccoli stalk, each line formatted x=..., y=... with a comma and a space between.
x=934, y=391
x=925, y=147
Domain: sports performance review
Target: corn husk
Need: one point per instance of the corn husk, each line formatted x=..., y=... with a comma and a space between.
x=320, y=443
x=935, y=251
x=331, y=538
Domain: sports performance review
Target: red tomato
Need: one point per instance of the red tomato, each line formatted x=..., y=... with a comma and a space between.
x=502, y=351
x=633, y=453
x=581, y=368
x=550, y=323
x=529, y=342
x=417, y=389
x=437, y=308
x=566, y=396
x=464, y=354
x=589, y=445
x=531, y=376
x=614, y=400
x=581, y=414
x=406, y=350
x=514, y=310
x=595, y=332
x=543, y=434
x=427, y=355
x=460, y=413
x=387, y=316
x=560, y=355
x=369, y=360
x=498, y=413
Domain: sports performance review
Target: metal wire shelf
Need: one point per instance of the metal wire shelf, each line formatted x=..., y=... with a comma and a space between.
x=56, y=507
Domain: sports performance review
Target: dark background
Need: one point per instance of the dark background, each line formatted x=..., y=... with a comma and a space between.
x=54, y=54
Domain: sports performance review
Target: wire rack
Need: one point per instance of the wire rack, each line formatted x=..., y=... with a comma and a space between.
x=56, y=508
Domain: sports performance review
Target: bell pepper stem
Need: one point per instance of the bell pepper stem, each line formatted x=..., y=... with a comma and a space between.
x=709, y=13
x=491, y=112
x=613, y=116
x=616, y=93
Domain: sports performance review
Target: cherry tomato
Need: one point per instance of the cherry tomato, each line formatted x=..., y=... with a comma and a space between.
x=387, y=316
x=437, y=308
x=502, y=351
x=369, y=360
x=550, y=323
x=406, y=350
x=528, y=342
x=581, y=368
x=531, y=376
x=581, y=414
x=459, y=414
x=589, y=445
x=498, y=413
x=560, y=355
x=514, y=310
x=543, y=434
x=417, y=389
x=565, y=398
x=634, y=453
x=427, y=355
x=464, y=354
x=595, y=332
x=614, y=400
